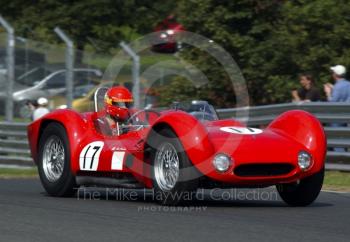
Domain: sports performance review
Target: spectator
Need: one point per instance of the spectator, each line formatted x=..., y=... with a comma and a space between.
x=340, y=91
x=308, y=91
x=41, y=109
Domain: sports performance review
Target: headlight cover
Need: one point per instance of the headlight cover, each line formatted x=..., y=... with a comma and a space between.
x=222, y=162
x=304, y=160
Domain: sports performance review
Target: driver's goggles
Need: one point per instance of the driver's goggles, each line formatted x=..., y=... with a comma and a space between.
x=122, y=104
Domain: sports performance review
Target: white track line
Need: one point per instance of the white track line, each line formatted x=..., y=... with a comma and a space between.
x=331, y=191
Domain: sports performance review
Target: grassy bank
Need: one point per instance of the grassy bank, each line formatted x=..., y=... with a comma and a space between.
x=18, y=173
x=336, y=180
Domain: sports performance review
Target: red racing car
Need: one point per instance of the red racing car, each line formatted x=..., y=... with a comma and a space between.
x=175, y=152
x=166, y=36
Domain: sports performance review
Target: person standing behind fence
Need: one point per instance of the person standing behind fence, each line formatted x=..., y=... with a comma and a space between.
x=41, y=109
x=308, y=91
x=340, y=91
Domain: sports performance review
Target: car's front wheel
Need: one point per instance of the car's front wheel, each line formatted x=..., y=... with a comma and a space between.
x=174, y=177
x=304, y=192
x=54, y=162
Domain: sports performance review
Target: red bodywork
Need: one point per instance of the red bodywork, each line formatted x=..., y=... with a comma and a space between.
x=279, y=143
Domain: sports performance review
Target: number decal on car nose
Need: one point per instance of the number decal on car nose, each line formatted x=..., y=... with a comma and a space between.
x=90, y=156
x=241, y=130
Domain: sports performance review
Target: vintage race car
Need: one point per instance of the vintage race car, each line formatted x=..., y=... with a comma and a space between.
x=175, y=152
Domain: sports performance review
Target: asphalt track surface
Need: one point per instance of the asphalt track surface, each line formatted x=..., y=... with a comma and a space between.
x=27, y=213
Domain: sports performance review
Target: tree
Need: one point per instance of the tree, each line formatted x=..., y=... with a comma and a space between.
x=272, y=41
x=311, y=36
x=108, y=21
x=238, y=26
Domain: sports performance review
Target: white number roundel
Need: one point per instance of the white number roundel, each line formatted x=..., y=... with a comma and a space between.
x=241, y=130
x=90, y=156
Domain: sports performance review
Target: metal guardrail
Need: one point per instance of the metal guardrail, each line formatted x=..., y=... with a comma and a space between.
x=14, y=145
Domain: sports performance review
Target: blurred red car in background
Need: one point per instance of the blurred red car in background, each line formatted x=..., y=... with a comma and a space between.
x=167, y=31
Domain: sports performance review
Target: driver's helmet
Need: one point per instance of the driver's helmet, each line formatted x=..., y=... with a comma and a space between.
x=117, y=101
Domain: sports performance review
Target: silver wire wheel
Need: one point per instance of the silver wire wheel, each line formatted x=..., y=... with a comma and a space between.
x=53, y=158
x=166, y=167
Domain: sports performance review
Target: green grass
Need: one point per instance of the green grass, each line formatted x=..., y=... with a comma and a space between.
x=18, y=173
x=336, y=180
x=16, y=119
x=146, y=60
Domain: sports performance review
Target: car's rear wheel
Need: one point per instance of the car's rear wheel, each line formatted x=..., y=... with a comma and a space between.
x=304, y=192
x=54, y=161
x=174, y=177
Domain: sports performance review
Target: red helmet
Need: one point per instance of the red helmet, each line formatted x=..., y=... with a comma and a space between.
x=117, y=101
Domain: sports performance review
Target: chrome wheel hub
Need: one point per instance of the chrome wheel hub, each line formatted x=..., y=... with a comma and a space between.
x=53, y=158
x=166, y=167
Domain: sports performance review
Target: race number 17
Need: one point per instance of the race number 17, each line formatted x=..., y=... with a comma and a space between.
x=90, y=156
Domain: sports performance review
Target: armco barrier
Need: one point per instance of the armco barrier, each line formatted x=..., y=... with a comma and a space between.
x=14, y=144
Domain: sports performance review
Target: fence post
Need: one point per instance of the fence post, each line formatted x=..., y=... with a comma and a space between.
x=69, y=65
x=26, y=57
x=135, y=73
x=10, y=52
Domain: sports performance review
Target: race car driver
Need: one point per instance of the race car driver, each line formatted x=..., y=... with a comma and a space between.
x=117, y=102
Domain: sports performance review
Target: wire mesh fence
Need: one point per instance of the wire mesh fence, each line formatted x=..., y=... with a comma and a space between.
x=40, y=71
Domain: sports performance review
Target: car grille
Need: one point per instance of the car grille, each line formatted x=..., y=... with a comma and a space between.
x=263, y=169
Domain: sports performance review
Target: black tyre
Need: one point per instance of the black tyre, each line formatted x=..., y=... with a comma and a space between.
x=54, y=162
x=174, y=177
x=304, y=192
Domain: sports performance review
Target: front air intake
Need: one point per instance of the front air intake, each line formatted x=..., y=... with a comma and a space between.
x=261, y=170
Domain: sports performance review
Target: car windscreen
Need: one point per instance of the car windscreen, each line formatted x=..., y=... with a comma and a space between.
x=202, y=110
